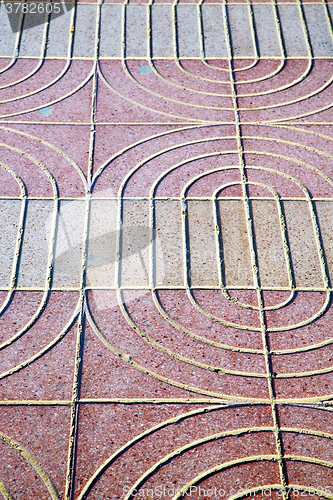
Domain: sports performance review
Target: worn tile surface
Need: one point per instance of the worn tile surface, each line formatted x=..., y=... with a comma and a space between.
x=166, y=250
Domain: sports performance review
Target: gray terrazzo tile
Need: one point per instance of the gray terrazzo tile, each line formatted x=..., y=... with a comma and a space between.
x=292, y=31
x=136, y=31
x=188, y=31
x=162, y=31
x=269, y=243
x=303, y=246
x=325, y=214
x=85, y=31
x=32, y=41
x=9, y=222
x=135, y=246
x=7, y=37
x=102, y=243
x=168, y=218
x=266, y=31
x=236, y=253
x=202, y=243
x=240, y=31
x=214, y=31
x=68, y=252
x=111, y=31
x=36, y=241
x=319, y=32
x=59, y=35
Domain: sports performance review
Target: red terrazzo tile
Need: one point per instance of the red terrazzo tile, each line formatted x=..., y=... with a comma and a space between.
x=114, y=105
x=50, y=375
x=155, y=327
x=313, y=88
x=124, y=139
x=273, y=174
x=152, y=97
x=304, y=362
x=65, y=162
x=307, y=307
x=22, y=70
x=215, y=303
x=57, y=136
x=105, y=376
x=9, y=185
x=76, y=108
x=143, y=349
x=130, y=421
x=303, y=440
x=306, y=417
x=42, y=433
x=208, y=71
x=269, y=78
x=35, y=180
x=25, y=306
x=263, y=70
x=156, y=152
x=317, y=388
x=5, y=63
x=207, y=185
x=243, y=66
x=318, y=136
x=180, y=309
x=317, y=139
x=176, y=78
x=317, y=477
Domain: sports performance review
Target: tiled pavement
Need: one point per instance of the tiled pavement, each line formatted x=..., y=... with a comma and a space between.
x=166, y=246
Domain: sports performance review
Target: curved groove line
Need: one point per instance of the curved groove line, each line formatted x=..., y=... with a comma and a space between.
x=273, y=171
x=314, y=222
x=218, y=232
x=184, y=219
x=41, y=62
x=286, y=248
x=92, y=481
x=42, y=474
x=5, y=493
x=19, y=239
x=275, y=72
x=169, y=81
x=166, y=98
x=255, y=269
x=137, y=485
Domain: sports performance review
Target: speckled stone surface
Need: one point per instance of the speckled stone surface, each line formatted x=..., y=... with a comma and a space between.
x=166, y=251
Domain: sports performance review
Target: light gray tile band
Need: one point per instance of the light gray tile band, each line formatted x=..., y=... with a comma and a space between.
x=194, y=33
